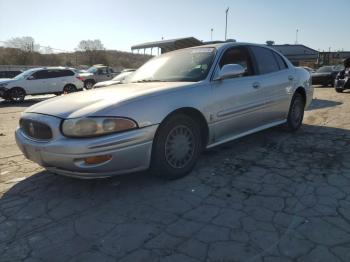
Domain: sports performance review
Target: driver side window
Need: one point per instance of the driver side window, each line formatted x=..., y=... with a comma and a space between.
x=240, y=56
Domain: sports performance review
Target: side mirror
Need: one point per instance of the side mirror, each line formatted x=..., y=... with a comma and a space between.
x=230, y=71
x=30, y=78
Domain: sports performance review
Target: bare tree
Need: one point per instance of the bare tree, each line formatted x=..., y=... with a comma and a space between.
x=25, y=46
x=24, y=43
x=91, y=45
x=93, y=50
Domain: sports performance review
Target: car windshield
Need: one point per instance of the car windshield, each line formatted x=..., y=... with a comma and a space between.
x=92, y=70
x=325, y=69
x=188, y=65
x=24, y=74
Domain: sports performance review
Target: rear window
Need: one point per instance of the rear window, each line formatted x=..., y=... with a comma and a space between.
x=265, y=59
x=54, y=73
x=280, y=61
x=67, y=73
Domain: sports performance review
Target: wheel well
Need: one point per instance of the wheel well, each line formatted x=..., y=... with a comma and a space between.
x=198, y=117
x=69, y=85
x=18, y=88
x=301, y=91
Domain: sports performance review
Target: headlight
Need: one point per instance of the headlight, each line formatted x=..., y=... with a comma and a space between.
x=96, y=126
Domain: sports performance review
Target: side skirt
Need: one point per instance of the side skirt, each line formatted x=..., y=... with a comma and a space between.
x=247, y=133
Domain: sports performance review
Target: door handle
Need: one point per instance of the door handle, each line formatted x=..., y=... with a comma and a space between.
x=290, y=78
x=256, y=85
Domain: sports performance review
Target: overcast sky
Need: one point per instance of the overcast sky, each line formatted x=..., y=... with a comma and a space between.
x=322, y=24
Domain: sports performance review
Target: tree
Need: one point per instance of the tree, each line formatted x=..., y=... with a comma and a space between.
x=26, y=45
x=90, y=45
x=93, y=50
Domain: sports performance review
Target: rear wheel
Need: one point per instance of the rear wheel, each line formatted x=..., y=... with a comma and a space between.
x=17, y=94
x=69, y=89
x=176, y=148
x=296, y=112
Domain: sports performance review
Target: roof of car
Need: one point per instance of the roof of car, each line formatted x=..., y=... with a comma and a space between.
x=225, y=44
x=51, y=68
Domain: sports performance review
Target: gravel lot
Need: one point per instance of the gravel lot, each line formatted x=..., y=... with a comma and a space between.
x=271, y=196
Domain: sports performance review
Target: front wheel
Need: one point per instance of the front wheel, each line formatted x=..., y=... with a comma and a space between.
x=176, y=148
x=89, y=84
x=339, y=90
x=17, y=94
x=296, y=112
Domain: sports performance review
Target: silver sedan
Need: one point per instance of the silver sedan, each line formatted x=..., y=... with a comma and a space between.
x=172, y=108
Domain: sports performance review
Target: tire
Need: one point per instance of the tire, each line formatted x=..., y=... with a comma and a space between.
x=17, y=94
x=296, y=112
x=69, y=89
x=339, y=90
x=176, y=147
x=89, y=84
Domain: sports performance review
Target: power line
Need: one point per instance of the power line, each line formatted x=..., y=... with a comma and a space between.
x=41, y=46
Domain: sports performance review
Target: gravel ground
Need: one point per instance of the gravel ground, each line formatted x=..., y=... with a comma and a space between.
x=271, y=196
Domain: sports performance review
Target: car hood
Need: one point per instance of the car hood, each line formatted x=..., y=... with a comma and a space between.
x=91, y=102
x=107, y=83
x=5, y=80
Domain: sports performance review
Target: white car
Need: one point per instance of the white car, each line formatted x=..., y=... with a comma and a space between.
x=117, y=80
x=50, y=80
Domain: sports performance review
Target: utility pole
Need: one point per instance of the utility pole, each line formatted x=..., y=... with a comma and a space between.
x=211, y=34
x=296, y=36
x=226, y=23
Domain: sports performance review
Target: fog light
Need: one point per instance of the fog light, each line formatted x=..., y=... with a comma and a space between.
x=93, y=160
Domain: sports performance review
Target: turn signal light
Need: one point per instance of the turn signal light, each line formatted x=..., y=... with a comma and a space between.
x=94, y=160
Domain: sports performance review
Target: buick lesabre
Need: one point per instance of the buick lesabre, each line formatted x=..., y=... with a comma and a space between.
x=172, y=108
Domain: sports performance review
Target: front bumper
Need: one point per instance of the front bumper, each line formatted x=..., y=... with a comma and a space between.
x=3, y=92
x=130, y=151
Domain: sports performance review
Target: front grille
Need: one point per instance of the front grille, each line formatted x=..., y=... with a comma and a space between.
x=35, y=129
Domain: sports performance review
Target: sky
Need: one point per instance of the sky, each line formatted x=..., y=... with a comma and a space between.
x=322, y=24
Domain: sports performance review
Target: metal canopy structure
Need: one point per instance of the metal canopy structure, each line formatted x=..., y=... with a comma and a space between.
x=168, y=45
x=297, y=53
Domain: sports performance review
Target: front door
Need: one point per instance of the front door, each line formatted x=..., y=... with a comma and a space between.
x=37, y=82
x=238, y=101
x=102, y=74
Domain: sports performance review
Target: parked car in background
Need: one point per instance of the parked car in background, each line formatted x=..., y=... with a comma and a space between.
x=48, y=80
x=342, y=81
x=97, y=73
x=9, y=73
x=325, y=75
x=116, y=80
x=172, y=107
x=309, y=69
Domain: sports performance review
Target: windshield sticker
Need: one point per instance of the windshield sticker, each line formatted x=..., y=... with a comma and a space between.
x=202, y=50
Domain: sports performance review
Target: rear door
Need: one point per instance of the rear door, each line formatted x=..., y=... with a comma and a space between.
x=59, y=78
x=238, y=101
x=54, y=83
x=276, y=83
